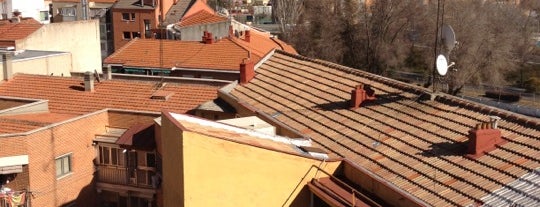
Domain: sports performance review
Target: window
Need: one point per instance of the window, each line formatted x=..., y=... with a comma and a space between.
x=63, y=165
x=67, y=11
x=111, y=156
x=128, y=16
x=127, y=35
x=44, y=15
x=135, y=35
x=125, y=16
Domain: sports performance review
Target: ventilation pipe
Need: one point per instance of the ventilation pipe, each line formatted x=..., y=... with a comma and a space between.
x=88, y=81
x=7, y=58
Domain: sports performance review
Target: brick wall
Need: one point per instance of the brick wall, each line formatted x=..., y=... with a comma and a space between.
x=74, y=137
x=137, y=25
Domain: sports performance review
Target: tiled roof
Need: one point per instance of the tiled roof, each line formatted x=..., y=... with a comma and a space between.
x=414, y=143
x=26, y=122
x=177, y=11
x=201, y=17
x=150, y=53
x=132, y=4
x=261, y=43
x=67, y=95
x=15, y=31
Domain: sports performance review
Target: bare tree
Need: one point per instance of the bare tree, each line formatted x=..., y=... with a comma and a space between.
x=286, y=14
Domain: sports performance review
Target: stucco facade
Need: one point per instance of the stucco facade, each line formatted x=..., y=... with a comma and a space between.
x=56, y=64
x=197, y=166
x=80, y=38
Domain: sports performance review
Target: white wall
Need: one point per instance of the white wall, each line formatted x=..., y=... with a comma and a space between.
x=29, y=8
x=80, y=38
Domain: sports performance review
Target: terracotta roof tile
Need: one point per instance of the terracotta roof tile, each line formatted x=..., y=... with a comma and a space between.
x=220, y=55
x=414, y=143
x=201, y=17
x=67, y=95
x=261, y=43
x=26, y=122
x=15, y=31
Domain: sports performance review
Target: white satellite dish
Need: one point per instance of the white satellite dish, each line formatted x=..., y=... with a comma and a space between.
x=448, y=37
x=442, y=65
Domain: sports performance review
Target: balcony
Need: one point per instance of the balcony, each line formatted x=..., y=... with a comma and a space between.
x=140, y=177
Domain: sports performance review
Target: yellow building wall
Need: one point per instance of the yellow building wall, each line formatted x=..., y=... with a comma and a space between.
x=172, y=166
x=224, y=173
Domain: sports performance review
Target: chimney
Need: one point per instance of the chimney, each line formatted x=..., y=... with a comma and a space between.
x=247, y=37
x=483, y=138
x=107, y=72
x=88, y=81
x=360, y=94
x=231, y=31
x=16, y=16
x=207, y=38
x=247, y=71
x=7, y=57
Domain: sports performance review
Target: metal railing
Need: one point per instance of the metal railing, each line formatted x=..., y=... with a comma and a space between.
x=125, y=176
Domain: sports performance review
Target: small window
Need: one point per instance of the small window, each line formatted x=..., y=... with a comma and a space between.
x=63, y=165
x=127, y=35
x=132, y=17
x=135, y=35
x=125, y=16
x=44, y=15
x=67, y=11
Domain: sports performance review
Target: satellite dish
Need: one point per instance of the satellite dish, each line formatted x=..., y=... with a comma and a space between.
x=442, y=65
x=448, y=37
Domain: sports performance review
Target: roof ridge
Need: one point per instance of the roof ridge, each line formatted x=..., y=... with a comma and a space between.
x=121, y=49
x=373, y=77
x=490, y=110
x=518, y=118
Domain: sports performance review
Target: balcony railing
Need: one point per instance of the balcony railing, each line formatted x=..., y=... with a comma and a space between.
x=141, y=177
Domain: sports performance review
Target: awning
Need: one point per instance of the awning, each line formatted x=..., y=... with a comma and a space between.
x=140, y=136
x=12, y=164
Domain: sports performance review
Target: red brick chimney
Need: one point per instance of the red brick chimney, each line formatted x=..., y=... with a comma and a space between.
x=247, y=37
x=361, y=93
x=247, y=71
x=207, y=38
x=484, y=138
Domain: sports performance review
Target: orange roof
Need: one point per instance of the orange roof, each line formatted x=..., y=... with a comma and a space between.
x=261, y=43
x=26, y=122
x=67, y=95
x=201, y=17
x=416, y=144
x=15, y=31
x=150, y=53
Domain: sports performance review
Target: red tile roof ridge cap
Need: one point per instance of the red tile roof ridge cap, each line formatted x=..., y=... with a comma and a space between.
x=236, y=41
x=489, y=110
x=374, y=77
x=196, y=13
x=120, y=50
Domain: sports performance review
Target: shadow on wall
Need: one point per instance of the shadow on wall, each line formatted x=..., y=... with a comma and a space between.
x=87, y=196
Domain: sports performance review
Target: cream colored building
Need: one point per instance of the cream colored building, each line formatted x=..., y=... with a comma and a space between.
x=36, y=62
x=80, y=38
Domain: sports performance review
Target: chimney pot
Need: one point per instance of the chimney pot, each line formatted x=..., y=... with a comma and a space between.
x=107, y=72
x=247, y=71
x=7, y=58
x=247, y=37
x=358, y=95
x=88, y=81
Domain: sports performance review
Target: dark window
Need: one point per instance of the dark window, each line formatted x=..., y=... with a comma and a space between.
x=132, y=16
x=135, y=35
x=150, y=160
x=127, y=35
x=125, y=16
